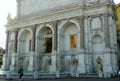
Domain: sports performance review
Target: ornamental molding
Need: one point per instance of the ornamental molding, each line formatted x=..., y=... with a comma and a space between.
x=61, y=15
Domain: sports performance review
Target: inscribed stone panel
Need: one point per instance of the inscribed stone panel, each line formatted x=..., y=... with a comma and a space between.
x=96, y=23
x=34, y=6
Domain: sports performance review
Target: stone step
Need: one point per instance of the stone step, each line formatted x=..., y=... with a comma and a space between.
x=51, y=75
x=92, y=75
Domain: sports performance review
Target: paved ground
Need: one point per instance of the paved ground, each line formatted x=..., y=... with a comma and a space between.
x=80, y=79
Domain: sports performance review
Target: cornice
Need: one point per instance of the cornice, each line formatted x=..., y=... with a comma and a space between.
x=47, y=18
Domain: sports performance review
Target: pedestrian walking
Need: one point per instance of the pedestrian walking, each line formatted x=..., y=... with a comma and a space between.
x=20, y=72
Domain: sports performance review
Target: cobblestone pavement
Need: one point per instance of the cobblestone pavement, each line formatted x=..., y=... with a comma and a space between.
x=79, y=79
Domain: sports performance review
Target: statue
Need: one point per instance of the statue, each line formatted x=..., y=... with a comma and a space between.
x=46, y=63
x=73, y=64
x=99, y=64
x=9, y=18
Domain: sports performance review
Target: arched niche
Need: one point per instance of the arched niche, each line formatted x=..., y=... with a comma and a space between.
x=97, y=49
x=68, y=37
x=45, y=40
x=68, y=41
x=25, y=41
x=24, y=48
x=44, y=47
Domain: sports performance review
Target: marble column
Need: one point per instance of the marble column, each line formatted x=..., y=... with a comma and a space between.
x=7, y=41
x=55, y=34
x=33, y=38
x=56, y=57
x=81, y=56
x=33, y=56
x=6, y=67
x=16, y=41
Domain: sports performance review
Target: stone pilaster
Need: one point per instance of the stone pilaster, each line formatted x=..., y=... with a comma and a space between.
x=106, y=27
x=81, y=62
x=81, y=24
x=107, y=65
x=55, y=65
x=81, y=66
x=82, y=32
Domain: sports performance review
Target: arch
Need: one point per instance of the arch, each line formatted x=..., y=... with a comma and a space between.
x=38, y=35
x=74, y=33
x=44, y=45
x=25, y=37
x=67, y=22
x=22, y=30
x=24, y=47
x=68, y=40
x=42, y=26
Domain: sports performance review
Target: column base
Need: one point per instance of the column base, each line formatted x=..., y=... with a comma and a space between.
x=81, y=62
x=82, y=70
x=31, y=61
x=30, y=68
x=53, y=64
x=12, y=67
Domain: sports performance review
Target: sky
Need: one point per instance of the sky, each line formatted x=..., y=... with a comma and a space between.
x=9, y=6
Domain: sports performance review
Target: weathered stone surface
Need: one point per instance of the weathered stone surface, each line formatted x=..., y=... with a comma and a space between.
x=52, y=32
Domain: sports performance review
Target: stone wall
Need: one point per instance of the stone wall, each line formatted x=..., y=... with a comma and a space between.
x=41, y=6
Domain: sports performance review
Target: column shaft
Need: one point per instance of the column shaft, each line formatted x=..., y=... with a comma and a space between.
x=81, y=24
x=55, y=34
x=7, y=42
x=16, y=41
x=33, y=38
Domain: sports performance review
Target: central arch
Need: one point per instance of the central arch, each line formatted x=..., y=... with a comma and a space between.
x=68, y=41
x=44, y=48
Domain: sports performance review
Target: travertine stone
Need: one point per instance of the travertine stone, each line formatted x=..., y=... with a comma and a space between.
x=49, y=32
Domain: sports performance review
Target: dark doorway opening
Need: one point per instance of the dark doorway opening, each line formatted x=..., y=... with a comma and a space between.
x=48, y=45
